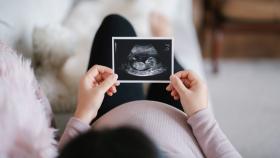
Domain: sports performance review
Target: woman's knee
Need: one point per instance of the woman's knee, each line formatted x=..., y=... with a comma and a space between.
x=114, y=18
x=118, y=24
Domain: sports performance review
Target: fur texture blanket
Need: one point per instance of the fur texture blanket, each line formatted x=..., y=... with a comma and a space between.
x=24, y=111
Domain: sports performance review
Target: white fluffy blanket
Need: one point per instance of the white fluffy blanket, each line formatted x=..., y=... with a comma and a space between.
x=24, y=118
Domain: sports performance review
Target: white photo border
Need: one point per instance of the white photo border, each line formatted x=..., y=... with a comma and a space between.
x=144, y=38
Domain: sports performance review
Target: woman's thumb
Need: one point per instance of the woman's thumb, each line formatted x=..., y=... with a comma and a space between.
x=108, y=82
x=178, y=84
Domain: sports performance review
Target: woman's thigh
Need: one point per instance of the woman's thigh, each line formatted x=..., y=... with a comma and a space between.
x=157, y=91
x=101, y=53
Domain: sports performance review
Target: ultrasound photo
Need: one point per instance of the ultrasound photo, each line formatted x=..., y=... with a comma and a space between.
x=137, y=59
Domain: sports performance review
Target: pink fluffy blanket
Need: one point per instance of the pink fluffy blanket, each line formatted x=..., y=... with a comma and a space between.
x=24, y=111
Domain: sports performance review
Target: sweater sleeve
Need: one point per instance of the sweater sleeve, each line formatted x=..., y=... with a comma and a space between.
x=210, y=137
x=73, y=128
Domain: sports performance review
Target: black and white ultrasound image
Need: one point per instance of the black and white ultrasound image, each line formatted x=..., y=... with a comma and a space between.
x=143, y=59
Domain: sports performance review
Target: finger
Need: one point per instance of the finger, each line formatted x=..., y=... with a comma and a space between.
x=98, y=78
x=174, y=93
x=178, y=85
x=176, y=97
x=188, y=74
x=110, y=89
x=96, y=69
x=186, y=83
x=169, y=87
x=95, y=84
x=108, y=82
x=109, y=93
x=117, y=83
x=113, y=89
x=102, y=76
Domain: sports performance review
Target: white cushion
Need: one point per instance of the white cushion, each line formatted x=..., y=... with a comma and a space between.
x=18, y=17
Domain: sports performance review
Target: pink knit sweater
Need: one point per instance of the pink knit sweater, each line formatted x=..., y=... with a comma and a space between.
x=174, y=133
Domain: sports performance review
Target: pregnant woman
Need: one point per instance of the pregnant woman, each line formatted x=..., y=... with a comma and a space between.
x=173, y=120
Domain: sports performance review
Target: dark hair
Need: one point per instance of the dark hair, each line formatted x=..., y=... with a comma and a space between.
x=123, y=142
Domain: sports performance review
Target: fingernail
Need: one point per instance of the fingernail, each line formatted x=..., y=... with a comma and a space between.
x=168, y=88
x=115, y=76
x=176, y=77
x=117, y=83
x=173, y=78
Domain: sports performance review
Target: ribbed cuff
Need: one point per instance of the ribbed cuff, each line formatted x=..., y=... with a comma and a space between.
x=78, y=124
x=202, y=115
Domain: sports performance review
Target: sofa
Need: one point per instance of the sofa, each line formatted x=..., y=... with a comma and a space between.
x=58, y=38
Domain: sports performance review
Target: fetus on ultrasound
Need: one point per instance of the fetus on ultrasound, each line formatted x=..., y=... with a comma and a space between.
x=143, y=60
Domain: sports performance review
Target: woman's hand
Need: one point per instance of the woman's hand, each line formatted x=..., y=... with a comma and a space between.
x=93, y=85
x=190, y=89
